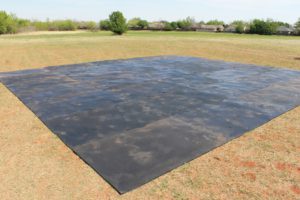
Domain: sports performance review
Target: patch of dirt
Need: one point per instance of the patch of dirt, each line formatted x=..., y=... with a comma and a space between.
x=295, y=189
x=250, y=176
x=284, y=166
x=249, y=164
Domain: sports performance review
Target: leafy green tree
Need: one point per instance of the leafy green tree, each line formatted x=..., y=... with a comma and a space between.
x=174, y=25
x=279, y=23
x=239, y=26
x=12, y=25
x=117, y=23
x=297, y=26
x=180, y=24
x=133, y=23
x=215, y=22
x=143, y=24
x=23, y=22
x=168, y=26
x=104, y=25
x=262, y=27
x=137, y=23
x=186, y=24
x=8, y=23
x=3, y=22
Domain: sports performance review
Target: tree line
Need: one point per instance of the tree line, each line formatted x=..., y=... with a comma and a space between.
x=117, y=23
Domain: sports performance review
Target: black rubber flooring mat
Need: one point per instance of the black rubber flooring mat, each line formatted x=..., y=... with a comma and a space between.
x=134, y=120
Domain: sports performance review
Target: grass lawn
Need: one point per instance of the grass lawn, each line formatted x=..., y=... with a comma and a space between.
x=35, y=164
x=38, y=50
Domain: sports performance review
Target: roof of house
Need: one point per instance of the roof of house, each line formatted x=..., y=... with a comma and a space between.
x=230, y=28
x=285, y=29
x=203, y=26
x=159, y=24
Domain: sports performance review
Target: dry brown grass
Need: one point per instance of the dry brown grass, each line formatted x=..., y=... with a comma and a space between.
x=34, y=51
x=35, y=164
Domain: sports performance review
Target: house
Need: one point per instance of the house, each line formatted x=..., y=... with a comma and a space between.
x=233, y=29
x=211, y=28
x=283, y=30
x=156, y=26
x=230, y=29
x=194, y=27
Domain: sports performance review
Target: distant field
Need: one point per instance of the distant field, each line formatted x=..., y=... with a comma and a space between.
x=35, y=164
x=42, y=49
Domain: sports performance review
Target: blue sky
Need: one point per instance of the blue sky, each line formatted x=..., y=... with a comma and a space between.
x=228, y=10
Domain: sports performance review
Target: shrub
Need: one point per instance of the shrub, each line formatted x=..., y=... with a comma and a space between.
x=62, y=25
x=40, y=26
x=92, y=26
x=86, y=25
x=104, y=25
x=21, y=25
x=65, y=25
x=53, y=26
x=117, y=23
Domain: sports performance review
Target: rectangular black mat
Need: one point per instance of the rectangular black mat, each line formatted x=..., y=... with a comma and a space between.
x=134, y=120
